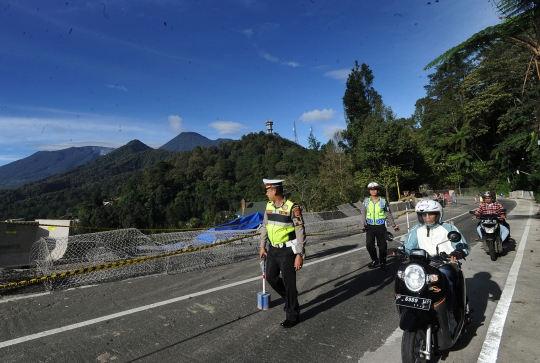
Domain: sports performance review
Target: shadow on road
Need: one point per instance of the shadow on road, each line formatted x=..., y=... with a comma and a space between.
x=480, y=289
x=330, y=251
x=367, y=282
x=193, y=337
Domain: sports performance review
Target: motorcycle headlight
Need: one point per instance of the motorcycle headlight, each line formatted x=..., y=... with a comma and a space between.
x=414, y=277
x=490, y=229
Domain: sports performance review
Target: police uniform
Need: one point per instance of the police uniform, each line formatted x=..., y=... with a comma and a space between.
x=283, y=230
x=374, y=216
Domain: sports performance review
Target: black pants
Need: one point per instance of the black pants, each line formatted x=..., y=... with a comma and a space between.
x=372, y=232
x=282, y=260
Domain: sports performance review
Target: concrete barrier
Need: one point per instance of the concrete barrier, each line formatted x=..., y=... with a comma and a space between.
x=522, y=194
x=332, y=215
x=16, y=241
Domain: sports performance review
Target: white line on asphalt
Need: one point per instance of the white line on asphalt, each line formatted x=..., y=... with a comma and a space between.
x=24, y=297
x=490, y=348
x=147, y=307
x=388, y=352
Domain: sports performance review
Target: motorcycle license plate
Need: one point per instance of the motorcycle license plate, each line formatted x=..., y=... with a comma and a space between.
x=413, y=302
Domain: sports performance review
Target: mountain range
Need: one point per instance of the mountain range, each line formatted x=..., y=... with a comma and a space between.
x=43, y=164
x=46, y=163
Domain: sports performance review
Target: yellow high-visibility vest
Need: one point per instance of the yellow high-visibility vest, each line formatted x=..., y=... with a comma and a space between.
x=375, y=213
x=280, y=225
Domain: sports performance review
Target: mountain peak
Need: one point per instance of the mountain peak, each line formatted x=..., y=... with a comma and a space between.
x=187, y=141
x=135, y=146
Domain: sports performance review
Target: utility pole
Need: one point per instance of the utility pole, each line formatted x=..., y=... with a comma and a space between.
x=294, y=129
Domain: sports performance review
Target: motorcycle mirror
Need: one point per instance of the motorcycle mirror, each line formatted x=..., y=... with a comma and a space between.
x=472, y=212
x=454, y=236
x=389, y=236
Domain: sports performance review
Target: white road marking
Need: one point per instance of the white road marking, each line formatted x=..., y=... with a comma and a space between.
x=24, y=297
x=147, y=307
x=388, y=352
x=490, y=348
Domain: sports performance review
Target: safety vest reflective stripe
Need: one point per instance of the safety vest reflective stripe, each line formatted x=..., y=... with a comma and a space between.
x=280, y=226
x=375, y=213
x=280, y=219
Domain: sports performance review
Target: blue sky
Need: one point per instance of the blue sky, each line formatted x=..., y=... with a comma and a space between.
x=88, y=73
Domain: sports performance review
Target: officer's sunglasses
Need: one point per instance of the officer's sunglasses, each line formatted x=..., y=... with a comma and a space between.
x=373, y=188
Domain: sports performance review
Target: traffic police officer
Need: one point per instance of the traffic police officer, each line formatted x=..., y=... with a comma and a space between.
x=375, y=211
x=283, y=228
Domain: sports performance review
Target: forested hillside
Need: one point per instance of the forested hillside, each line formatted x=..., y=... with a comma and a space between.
x=203, y=186
x=93, y=182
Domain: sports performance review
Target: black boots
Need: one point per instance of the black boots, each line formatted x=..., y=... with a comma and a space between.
x=383, y=265
x=373, y=264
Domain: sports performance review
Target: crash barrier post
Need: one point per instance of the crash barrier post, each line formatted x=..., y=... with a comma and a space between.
x=522, y=194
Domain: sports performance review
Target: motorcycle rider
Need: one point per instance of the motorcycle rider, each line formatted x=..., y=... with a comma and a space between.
x=427, y=235
x=491, y=206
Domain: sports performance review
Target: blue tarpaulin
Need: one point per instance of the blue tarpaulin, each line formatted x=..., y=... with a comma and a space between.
x=251, y=221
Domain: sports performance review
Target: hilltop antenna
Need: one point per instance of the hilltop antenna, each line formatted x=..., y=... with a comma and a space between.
x=294, y=129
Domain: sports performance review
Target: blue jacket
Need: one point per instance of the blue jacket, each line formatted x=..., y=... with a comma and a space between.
x=422, y=237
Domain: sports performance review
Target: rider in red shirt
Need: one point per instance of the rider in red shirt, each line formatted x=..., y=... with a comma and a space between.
x=491, y=206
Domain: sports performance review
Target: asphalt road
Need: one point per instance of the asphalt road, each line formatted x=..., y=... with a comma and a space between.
x=348, y=312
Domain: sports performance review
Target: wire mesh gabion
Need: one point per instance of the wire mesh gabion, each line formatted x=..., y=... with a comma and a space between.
x=172, y=253
x=57, y=255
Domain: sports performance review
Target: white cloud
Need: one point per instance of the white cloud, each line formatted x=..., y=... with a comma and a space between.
x=117, y=87
x=175, y=123
x=317, y=116
x=292, y=64
x=329, y=131
x=6, y=159
x=339, y=74
x=227, y=127
x=66, y=145
x=269, y=57
x=248, y=32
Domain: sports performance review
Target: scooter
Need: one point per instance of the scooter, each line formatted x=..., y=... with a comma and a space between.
x=491, y=234
x=421, y=301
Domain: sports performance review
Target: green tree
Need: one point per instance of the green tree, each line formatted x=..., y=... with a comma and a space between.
x=312, y=141
x=335, y=175
x=359, y=102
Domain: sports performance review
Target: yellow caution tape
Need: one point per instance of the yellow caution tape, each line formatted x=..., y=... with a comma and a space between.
x=111, y=265
x=125, y=263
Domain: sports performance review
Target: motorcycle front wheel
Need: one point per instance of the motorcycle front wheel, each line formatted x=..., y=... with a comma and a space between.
x=492, y=253
x=412, y=345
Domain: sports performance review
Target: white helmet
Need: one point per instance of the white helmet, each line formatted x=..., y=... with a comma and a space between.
x=429, y=206
x=373, y=185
